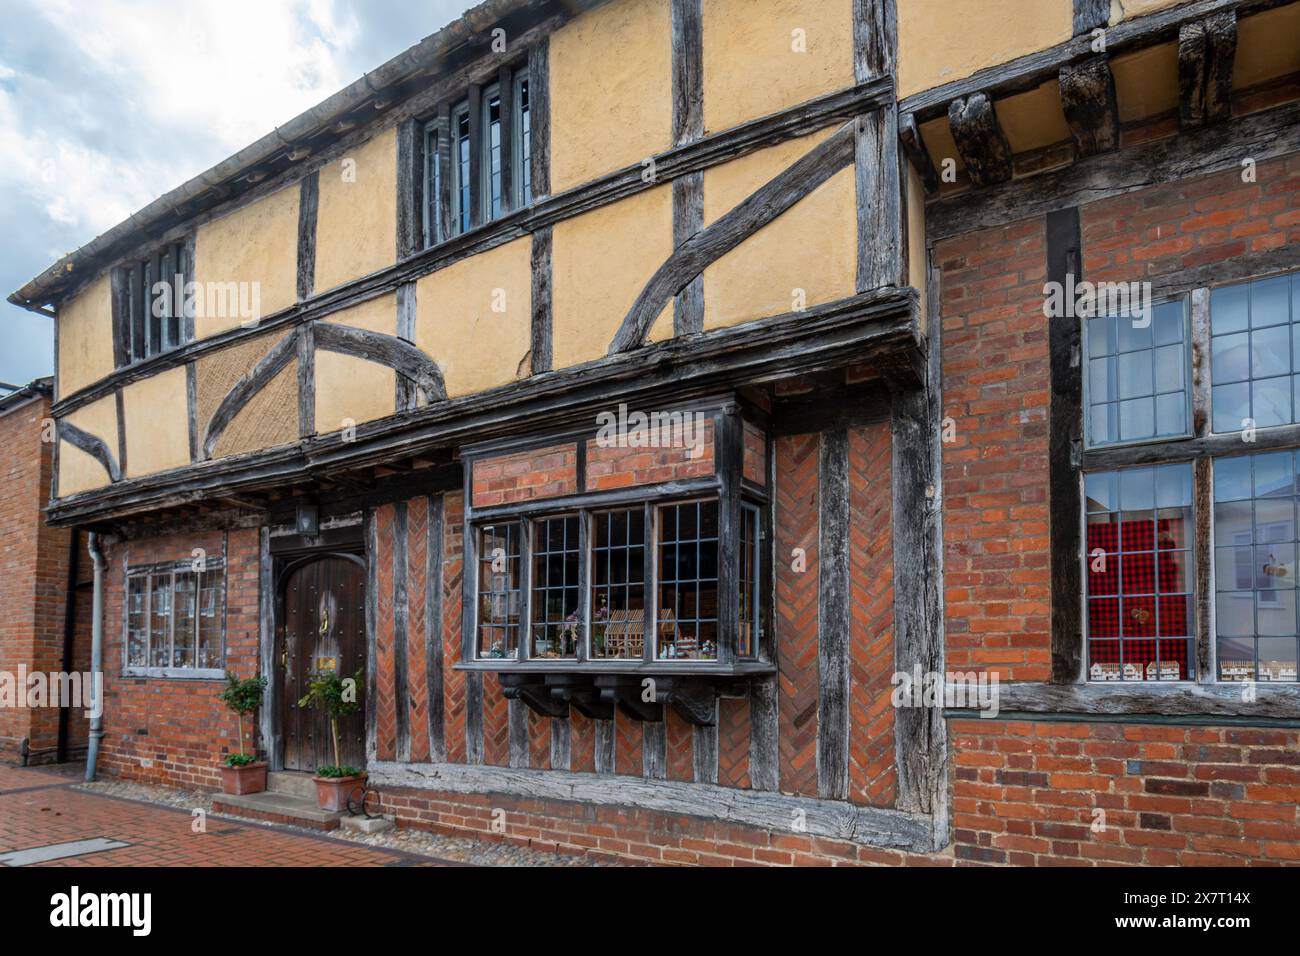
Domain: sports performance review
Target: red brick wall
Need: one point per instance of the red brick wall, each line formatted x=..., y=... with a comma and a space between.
x=754, y=466
x=175, y=732
x=417, y=555
x=995, y=391
x=525, y=475
x=385, y=702
x=871, y=639
x=796, y=611
x=33, y=575
x=1074, y=794
x=623, y=467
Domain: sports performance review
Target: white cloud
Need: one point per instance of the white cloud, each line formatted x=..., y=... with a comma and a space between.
x=202, y=81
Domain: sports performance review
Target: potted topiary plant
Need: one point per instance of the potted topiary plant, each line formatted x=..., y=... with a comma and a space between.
x=330, y=691
x=243, y=772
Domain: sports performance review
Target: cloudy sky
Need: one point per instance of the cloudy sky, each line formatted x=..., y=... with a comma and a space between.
x=107, y=104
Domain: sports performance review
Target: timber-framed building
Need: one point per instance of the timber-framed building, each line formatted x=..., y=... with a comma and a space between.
x=655, y=399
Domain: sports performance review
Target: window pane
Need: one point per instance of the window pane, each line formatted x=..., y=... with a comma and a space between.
x=618, y=618
x=184, y=597
x=498, y=590
x=688, y=585
x=137, y=622
x=492, y=154
x=1253, y=340
x=160, y=599
x=211, y=602
x=1137, y=376
x=1256, y=538
x=523, y=143
x=1140, y=572
x=557, y=560
x=750, y=562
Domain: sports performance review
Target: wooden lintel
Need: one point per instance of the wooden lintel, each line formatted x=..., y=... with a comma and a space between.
x=1088, y=101
x=980, y=140
x=1221, y=52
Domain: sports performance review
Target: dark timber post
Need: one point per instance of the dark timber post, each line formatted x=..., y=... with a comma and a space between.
x=1065, y=418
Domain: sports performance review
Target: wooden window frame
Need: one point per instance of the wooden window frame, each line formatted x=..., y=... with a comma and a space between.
x=726, y=485
x=138, y=336
x=1202, y=448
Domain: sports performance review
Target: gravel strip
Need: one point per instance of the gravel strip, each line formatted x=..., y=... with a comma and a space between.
x=458, y=849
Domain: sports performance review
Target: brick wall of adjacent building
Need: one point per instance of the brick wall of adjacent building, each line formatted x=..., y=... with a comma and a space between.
x=33, y=576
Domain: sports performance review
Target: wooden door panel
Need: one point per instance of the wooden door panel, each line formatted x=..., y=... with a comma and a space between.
x=324, y=628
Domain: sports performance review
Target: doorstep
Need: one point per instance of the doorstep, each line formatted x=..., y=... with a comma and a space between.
x=277, y=807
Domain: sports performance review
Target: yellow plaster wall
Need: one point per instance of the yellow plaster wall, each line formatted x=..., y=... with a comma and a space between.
x=350, y=388
x=1128, y=9
x=86, y=337
x=1033, y=119
x=458, y=325
x=356, y=219
x=752, y=66
x=611, y=90
x=258, y=243
x=812, y=247
x=77, y=470
x=1146, y=82
x=157, y=424
x=1268, y=46
x=600, y=262
x=944, y=40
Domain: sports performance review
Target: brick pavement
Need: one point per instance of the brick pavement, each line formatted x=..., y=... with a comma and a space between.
x=39, y=807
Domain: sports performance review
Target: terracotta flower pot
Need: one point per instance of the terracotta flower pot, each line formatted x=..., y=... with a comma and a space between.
x=250, y=778
x=332, y=792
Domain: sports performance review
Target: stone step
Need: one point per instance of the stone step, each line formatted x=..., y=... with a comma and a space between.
x=277, y=807
x=292, y=782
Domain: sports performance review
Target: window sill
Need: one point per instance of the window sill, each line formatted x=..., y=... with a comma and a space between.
x=1185, y=701
x=173, y=673
x=633, y=668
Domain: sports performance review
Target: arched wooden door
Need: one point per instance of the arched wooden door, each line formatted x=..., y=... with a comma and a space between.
x=324, y=629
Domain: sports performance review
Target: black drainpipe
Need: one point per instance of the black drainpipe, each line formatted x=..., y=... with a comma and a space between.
x=69, y=633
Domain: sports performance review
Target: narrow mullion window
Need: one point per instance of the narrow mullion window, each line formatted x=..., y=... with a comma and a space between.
x=491, y=161
x=618, y=605
x=688, y=581
x=1140, y=569
x=499, y=597
x=460, y=159
x=556, y=559
x=1256, y=539
x=432, y=207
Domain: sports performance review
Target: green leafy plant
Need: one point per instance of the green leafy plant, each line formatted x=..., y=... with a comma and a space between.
x=243, y=696
x=329, y=690
x=240, y=760
x=335, y=772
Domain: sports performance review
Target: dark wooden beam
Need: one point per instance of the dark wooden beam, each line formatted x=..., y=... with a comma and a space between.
x=1149, y=699
x=1032, y=70
x=867, y=328
x=308, y=203
x=833, y=617
x=918, y=155
x=306, y=381
x=1199, y=152
x=1088, y=101
x=401, y=626
x=882, y=246
x=407, y=388
x=539, y=116
x=709, y=245
x=410, y=188
x=542, y=321
x=433, y=629
x=92, y=446
x=1065, y=424
x=399, y=355
x=1206, y=52
x=980, y=140
x=1090, y=14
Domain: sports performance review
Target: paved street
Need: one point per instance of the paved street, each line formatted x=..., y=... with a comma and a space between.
x=41, y=812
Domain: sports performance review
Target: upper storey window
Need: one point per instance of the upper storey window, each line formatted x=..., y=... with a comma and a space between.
x=152, y=309
x=477, y=159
